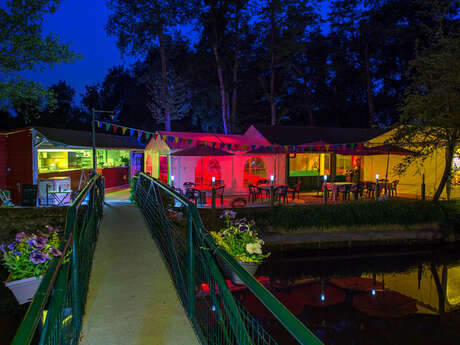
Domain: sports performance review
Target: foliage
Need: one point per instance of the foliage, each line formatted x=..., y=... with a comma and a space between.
x=360, y=213
x=23, y=47
x=430, y=113
x=132, y=189
x=239, y=239
x=30, y=255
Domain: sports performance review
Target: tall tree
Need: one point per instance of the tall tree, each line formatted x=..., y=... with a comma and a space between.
x=140, y=25
x=24, y=47
x=430, y=118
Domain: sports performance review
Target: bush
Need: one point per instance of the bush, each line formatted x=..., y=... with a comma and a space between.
x=365, y=213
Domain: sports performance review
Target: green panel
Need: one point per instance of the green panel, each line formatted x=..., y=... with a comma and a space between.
x=192, y=259
x=295, y=173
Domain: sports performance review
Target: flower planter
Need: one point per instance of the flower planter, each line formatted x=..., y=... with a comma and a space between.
x=250, y=267
x=24, y=289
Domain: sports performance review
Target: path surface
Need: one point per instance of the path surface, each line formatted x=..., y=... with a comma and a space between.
x=131, y=299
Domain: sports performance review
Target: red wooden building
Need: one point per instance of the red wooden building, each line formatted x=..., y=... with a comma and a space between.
x=36, y=154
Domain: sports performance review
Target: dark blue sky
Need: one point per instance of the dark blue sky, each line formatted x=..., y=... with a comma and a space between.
x=81, y=23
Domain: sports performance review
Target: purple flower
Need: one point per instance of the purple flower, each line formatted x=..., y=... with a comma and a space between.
x=41, y=241
x=228, y=213
x=243, y=228
x=32, y=242
x=55, y=252
x=38, y=257
x=2, y=248
x=17, y=253
x=20, y=236
x=11, y=246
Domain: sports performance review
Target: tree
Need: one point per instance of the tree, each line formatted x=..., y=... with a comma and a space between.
x=430, y=113
x=140, y=25
x=23, y=47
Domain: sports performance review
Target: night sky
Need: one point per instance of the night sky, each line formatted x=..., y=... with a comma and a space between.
x=81, y=23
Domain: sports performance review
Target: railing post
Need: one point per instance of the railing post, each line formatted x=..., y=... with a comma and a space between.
x=191, y=264
x=76, y=303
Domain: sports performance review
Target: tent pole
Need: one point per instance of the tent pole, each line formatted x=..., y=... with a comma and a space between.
x=386, y=173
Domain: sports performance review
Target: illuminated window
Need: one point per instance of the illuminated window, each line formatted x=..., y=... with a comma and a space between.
x=304, y=164
x=343, y=164
x=254, y=170
x=205, y=169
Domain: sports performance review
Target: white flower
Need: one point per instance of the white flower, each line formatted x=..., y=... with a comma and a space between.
x=254, y=248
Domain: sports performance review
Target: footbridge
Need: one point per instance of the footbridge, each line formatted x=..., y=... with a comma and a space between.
x=145, y=273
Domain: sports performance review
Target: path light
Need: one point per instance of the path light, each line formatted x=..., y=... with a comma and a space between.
x=323, y=297
x=377, y=176
x=213, y=179
x=325, y=178
x=172, y=180
x=373, y=292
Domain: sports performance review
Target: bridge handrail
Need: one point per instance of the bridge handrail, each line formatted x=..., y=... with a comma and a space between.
x=54, y=280
x=296, y=328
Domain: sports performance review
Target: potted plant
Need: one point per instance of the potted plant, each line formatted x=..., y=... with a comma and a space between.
x=240, y=240
x=27, y=258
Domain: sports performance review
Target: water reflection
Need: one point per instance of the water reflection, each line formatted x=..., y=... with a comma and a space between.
x=367, y=297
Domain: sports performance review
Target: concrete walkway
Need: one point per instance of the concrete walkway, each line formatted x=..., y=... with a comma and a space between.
x=131, y=299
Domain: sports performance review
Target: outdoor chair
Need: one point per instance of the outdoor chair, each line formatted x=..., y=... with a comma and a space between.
x=254, y=193
x=357, y=190
x=262, y=181
x=345, y=190
x=295, y=189
x=281, y=192
x=370, y=190
x=220, y=193
x=394, y=188
x=5, y=197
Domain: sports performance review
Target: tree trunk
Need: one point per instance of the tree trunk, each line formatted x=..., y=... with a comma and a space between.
x=369, y=87
x=235, y=70
x=450, y=150
x=222, y=89
x=164, y=78
x=272, y=69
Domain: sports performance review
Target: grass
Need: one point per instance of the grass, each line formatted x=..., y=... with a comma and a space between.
x=356, y=216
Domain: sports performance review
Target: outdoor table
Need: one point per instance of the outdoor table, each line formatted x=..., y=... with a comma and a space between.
x=381, y=186
x=203, y=190
x=59, y=196
x=334, y=187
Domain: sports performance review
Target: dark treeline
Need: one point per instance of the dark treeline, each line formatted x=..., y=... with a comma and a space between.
x=341, y=63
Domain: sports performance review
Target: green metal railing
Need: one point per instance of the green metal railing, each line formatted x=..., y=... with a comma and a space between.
x=60, y=300
x=191, y=256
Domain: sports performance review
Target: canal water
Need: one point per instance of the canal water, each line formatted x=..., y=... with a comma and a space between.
x=391, y=296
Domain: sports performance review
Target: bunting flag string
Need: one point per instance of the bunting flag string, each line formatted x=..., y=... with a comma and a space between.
x=227, y=146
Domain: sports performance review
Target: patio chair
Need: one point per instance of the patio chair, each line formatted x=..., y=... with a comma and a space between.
x=394, y=188
x=5, y=197
x=345, y=190
x=370, y=190
x=281, y=192
x=220, y=193
x=358, y=191
x=295, y=189
x=254, y=193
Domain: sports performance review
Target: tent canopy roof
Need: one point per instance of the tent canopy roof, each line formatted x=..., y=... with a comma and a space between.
x=296, y=135
x=201, y=151
x=215, y=137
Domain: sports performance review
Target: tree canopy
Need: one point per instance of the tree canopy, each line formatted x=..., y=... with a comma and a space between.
x=24, y=47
